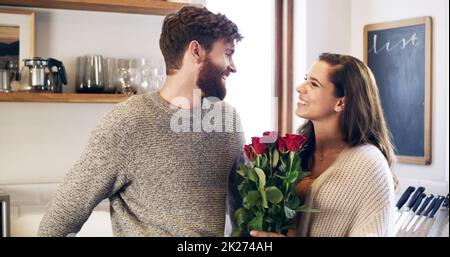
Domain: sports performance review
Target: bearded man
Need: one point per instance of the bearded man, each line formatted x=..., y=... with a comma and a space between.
x=162, y=182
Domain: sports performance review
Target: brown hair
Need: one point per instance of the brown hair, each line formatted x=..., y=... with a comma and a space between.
x=362, y=120
x=193, y=23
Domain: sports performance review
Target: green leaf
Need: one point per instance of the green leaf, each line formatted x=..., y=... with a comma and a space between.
x=236, y=232
x=293, y=202
x=243, y=173
x=256, y=222
x=282, y=166
x=251, y=199
x=264, y=198
x=242, y=166
x=264, y=161
x=245, y=186
x=241, y=215
x=307, y=209
x=252, y=175
x=240, y=186
x=275, y=211
x=268, y=219
x=293, y=176
x=289, y=213
x=262, y=178
x=274, y=195
x=276, y=157
x=296, y=163
x=291, y=157
x=279, y=176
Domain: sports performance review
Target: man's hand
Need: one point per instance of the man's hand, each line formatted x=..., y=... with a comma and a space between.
x=255, y=233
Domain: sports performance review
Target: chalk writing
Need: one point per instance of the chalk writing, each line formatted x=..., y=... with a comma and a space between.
x=402, y=44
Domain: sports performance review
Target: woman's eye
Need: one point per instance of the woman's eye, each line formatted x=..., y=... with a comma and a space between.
x=314, y=84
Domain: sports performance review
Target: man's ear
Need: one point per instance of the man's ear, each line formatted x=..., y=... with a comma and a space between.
x=196, y=51
x=340, y=105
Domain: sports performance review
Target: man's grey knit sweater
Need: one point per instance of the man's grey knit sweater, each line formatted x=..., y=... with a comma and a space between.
x=159, y=182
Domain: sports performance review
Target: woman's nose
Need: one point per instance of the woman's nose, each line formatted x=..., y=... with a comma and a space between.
x=301, y=88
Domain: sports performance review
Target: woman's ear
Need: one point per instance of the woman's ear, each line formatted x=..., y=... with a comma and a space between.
x=196, y=51
x=340, y=105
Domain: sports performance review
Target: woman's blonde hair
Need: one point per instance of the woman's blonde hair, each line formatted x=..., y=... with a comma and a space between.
x=362, y=120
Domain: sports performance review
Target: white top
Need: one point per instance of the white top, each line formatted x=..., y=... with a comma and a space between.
x=355, y=197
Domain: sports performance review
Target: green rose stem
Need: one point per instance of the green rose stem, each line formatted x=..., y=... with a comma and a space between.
x=270, y=161
x=286, y=186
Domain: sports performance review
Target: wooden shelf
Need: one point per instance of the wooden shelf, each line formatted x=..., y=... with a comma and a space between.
x=62, y=98
x=154, y=7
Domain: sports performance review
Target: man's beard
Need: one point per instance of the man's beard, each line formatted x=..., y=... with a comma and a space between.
x=210, y=80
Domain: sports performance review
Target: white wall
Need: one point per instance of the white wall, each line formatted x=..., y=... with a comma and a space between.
x=374, y=11
x=319, y=26
x=251, y=89
x=39, y=142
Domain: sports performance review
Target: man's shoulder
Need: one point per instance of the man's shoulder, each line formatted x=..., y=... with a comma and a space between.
x=124, y=113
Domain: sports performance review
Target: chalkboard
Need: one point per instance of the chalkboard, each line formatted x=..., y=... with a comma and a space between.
x=399, y=55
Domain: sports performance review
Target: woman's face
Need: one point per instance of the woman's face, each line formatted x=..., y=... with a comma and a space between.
x=316, y=95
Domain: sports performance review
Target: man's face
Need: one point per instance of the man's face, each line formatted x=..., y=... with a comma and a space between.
x=215, y=69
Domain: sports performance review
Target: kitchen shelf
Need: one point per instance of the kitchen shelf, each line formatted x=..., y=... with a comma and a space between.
x=153, y=7
x=62, y=97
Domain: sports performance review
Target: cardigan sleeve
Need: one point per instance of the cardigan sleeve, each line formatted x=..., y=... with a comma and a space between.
x=375, y=215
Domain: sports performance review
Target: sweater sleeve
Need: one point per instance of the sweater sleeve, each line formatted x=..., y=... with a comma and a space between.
x=234, y=199
x=375, y=215
x=376, y=225
x=98, y=174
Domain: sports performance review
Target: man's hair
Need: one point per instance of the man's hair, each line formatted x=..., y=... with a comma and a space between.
x=193, y=23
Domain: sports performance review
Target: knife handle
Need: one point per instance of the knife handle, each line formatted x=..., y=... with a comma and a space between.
x=424, y=205
x=416, y=194
x=436, y=207
x=431, y=206
x=417, y=202
x=445, y=204
x=405, y=197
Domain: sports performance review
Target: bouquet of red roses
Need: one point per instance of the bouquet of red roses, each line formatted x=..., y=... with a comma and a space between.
x=268, y=199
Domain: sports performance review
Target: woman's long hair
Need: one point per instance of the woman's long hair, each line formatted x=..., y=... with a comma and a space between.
x=362, y=120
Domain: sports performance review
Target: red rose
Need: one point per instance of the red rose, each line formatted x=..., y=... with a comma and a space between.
x=269, y=137
x=282, y=144
x=249, y=152
x=259, y=147
x=295, y=142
